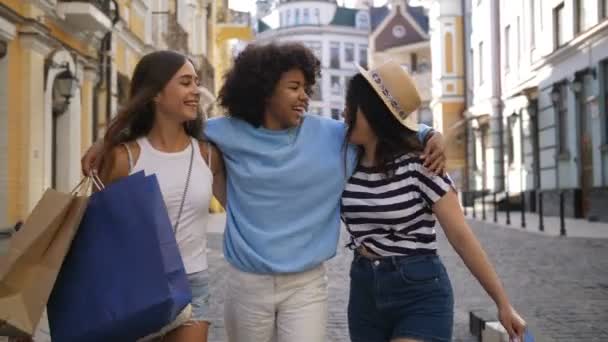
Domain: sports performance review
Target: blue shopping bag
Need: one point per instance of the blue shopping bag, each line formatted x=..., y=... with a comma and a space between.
x=123, y=277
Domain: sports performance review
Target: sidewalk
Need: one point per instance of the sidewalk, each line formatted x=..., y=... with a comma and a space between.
x=579, y=228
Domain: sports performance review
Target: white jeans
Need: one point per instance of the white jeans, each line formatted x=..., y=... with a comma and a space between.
x=291, y=307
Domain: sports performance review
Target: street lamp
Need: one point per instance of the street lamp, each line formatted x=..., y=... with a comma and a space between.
x=555, y=95
x=64, y=88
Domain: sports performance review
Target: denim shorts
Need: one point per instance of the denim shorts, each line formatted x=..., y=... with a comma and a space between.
x=400, y=297
x=199, y=284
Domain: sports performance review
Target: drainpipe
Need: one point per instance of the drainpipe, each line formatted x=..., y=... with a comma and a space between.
x=466, y=93
x=499, y=178
x=99, y=82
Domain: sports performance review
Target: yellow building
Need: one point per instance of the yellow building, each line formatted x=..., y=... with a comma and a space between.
x=64, y=70
x=448, y=102
x=230, y=27
x=400, y=33
x=48, y=73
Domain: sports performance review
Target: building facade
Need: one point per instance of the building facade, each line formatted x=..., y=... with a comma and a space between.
x=339, y=36
x=401, y=33
x=547, y=128
x=64, y=71
x=448, y=81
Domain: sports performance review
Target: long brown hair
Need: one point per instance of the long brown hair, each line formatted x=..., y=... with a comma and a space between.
x=136, y=118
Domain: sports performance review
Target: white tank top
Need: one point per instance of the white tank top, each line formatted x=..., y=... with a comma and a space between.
x=171, y=170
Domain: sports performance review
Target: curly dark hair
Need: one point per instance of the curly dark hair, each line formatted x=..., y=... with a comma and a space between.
x=255, y=74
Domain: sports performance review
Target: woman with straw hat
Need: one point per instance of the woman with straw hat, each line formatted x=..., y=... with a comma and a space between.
x=400, y=290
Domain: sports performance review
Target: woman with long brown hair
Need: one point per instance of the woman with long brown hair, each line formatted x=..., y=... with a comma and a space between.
x=159, y=131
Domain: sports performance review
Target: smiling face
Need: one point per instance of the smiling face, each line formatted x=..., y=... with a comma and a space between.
x=288, y=102
x=180, y=98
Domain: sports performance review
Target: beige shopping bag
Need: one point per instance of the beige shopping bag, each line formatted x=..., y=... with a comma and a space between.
x=29, y=269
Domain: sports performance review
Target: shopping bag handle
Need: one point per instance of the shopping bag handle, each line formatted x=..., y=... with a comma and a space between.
x=85, y=184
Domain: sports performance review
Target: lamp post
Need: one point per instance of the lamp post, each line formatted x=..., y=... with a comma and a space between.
x=64, y=88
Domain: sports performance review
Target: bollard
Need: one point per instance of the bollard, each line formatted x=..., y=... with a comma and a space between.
x=541, y=223
x=562, y=221
x=508, y=207
x=474, y=211
x=523, y=210
x=464, y=202
x=495, y=208
x=483, y=205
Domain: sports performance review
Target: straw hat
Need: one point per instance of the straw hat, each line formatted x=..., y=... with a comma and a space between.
x=397, y=89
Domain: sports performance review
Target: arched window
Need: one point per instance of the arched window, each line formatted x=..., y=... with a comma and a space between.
x=362, y=20
x=449, y=53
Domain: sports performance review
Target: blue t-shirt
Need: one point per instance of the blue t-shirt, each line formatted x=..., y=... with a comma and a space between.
x=283, y=192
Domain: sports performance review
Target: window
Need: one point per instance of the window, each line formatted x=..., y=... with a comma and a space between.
x=349, y=52
x=584, y=14
x=317, y=16
x=605, y=8
x=336, y=113
x=347, y=81
x=532, y=24
x=605, y=69
x=288, y=18
x=334, y=55
x=507, y=48
x=480, y=52
x=317, y=93
x=363, y=55
x=362, y=20
x=316, y=47
x=561, y=107
x=471, y=76
x=449, y=52
x=336, y=86
x=511, y=137
x=559, y=17
x=281, y=19
x=315, y=110
x=414, y=62
x=306, y=16
x=297, y=16
x=426, y=116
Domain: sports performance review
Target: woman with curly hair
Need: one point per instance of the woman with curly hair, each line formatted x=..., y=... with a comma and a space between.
x=284, y=178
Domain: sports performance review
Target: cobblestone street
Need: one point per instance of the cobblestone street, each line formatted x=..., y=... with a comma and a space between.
x=559, y=285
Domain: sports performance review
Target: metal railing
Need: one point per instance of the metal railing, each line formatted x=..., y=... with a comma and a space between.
x=472, y=199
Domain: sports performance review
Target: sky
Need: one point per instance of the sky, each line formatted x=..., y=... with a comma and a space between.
x=249, y=5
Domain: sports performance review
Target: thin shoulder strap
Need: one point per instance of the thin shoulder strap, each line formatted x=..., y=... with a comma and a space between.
x=209, y=154
x=130, y=156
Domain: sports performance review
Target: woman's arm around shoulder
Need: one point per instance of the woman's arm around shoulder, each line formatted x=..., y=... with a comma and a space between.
x=216, y=164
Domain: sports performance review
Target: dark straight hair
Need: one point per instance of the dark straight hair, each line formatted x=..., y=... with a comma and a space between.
x=394, y=139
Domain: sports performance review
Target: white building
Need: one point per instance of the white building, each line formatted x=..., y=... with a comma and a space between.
x=539, y=73
x=338, y=36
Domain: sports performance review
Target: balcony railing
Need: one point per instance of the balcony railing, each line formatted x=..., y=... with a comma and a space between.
x=176, y=37
x=102, y=5
x=88, y=15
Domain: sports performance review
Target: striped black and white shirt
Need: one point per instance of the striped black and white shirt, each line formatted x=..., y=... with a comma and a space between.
x=394, y=216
